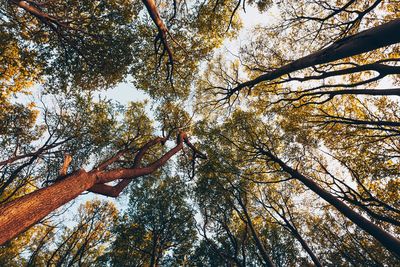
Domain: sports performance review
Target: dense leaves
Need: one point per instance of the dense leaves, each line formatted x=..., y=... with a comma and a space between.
x=159, y=226
x=300, y=126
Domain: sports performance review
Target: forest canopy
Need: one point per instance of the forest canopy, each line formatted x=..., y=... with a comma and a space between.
x=269, y=134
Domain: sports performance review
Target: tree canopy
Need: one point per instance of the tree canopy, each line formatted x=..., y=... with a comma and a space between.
x=282, y=151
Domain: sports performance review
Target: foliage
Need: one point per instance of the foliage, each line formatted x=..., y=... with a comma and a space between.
x=300, y=127
x=159, y=226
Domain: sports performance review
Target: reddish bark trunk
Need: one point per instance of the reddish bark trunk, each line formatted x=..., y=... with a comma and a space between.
x=18, y=215
x=39, y=14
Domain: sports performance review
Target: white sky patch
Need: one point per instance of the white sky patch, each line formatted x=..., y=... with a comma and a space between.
x=124, y=93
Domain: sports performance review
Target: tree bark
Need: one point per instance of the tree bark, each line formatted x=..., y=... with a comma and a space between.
x=390, y=242
x=153, y=256
x=47, y=19
x=18, y=215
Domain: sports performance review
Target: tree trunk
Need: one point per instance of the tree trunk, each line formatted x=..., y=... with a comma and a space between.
x=368, y=40
x=153, y=256
x=390, y=242
x=18, y=215
x=305, y=246
x=259, y=245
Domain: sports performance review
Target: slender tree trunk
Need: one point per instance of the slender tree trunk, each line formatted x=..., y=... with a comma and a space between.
x=368, y=40
x=153, y=256
x=268, y=262
x=305, y=246
x=390, y=242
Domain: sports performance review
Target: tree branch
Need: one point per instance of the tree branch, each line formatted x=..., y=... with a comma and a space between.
x=368, y=40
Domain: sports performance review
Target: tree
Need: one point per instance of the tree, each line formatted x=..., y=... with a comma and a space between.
x=226, y=198
x=52, y=243
x=31, y=208
x=31, y=242
x=96, y=45
x=131, y=140
x=205, y=255
x=280, y=208
x=301, y=125
x=365, y=41
x=159, y=226
x=248, y=134
x=306, y=114
x=86, y=241
x=72, y=42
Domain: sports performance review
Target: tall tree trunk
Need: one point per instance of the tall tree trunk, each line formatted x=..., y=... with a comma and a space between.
x=259, y=245
x=390, y=242
x=18, y=215
x=305, y=246
x=153, y=256
x=368, y=40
